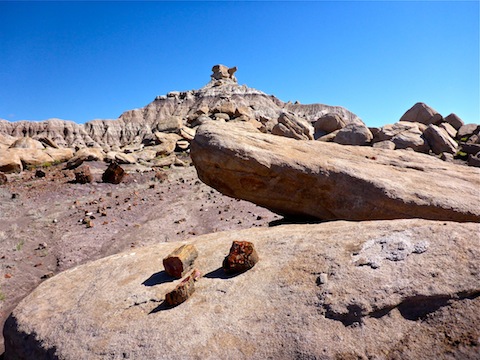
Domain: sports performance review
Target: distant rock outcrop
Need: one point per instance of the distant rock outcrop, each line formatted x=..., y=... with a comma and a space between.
x=330, y=181
x=400, y=289
x=179, y=113
x=171, y=112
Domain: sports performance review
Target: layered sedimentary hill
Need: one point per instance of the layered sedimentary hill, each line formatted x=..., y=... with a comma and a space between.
x=221, y=98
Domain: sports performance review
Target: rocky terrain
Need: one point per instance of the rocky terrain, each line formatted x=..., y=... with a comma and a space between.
x=367, y=238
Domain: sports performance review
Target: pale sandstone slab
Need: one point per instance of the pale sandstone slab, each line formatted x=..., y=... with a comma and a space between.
x=381, y=289
x=330, y=181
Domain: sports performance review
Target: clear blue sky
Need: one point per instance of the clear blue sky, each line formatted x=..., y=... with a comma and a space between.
x=85, y=60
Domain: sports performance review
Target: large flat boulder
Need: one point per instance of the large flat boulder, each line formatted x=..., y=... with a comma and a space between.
x=400, y=289
x=330, y=181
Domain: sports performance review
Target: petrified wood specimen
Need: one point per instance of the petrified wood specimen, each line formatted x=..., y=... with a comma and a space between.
x=180, y=261
x=183, y=290
x=242, y=257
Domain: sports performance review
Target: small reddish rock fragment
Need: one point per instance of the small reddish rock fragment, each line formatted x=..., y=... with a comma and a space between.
x=180, y=261
x=242, y=257
x=83, y=175
x=183, y=290
x=114, y=174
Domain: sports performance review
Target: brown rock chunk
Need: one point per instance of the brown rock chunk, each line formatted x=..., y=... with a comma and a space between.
x=242, y=257
x=439, y=140
x=114, y=174
x=180, y=261
x=467, y=131
x=354, y=134
x=422, y=113
x=221, y=72
x=292, y=126
x=183, y=290
x=83, y=175
x=329, y=123
x=455, y=121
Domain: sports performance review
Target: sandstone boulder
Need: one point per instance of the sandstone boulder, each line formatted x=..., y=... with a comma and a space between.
x=385, y=144
x=474, y=160
x=455, y=121
x=354, y=134
x=33, y=157
x=329, y=181
x=171, y=124
x=60, y=155
x=401, y=289
x=439, y=140
x=85, y=154
x=404, y=135
x=467, y=131
x=422, y=113
x=10, y=162
x=166, y=143
x=449, y=129
x=294, y=127
x=27, y=143
x=328, y=123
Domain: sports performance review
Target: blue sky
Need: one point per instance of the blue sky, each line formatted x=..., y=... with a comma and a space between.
x=86, y=60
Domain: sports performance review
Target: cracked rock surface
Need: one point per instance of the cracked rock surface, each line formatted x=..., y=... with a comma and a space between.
x=309, y=296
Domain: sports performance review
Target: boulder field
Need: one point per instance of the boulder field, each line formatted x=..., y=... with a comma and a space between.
x=399, y=289
x=328, y=181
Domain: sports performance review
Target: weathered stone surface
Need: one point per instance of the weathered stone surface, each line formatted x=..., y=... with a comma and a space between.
x=439, y=140
x=455, y=121
x=33, y=157
x=27, y=143
x=422, y=113
x=330, y=181
x=467, y=131
x=409, y=288
x=85, y=154
x=328, y=123
x=164, y=160
x=60, y=155
x=123, y=158
x=474, y=160
x=113, y=174
x=10, y=162
x=353, y=134
x=171, y=124
x=404, y=135
x=294, y=127
x=451, y=131
x=222, y=72
x=385, y=144
x=83, y=175
x=3, y=178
